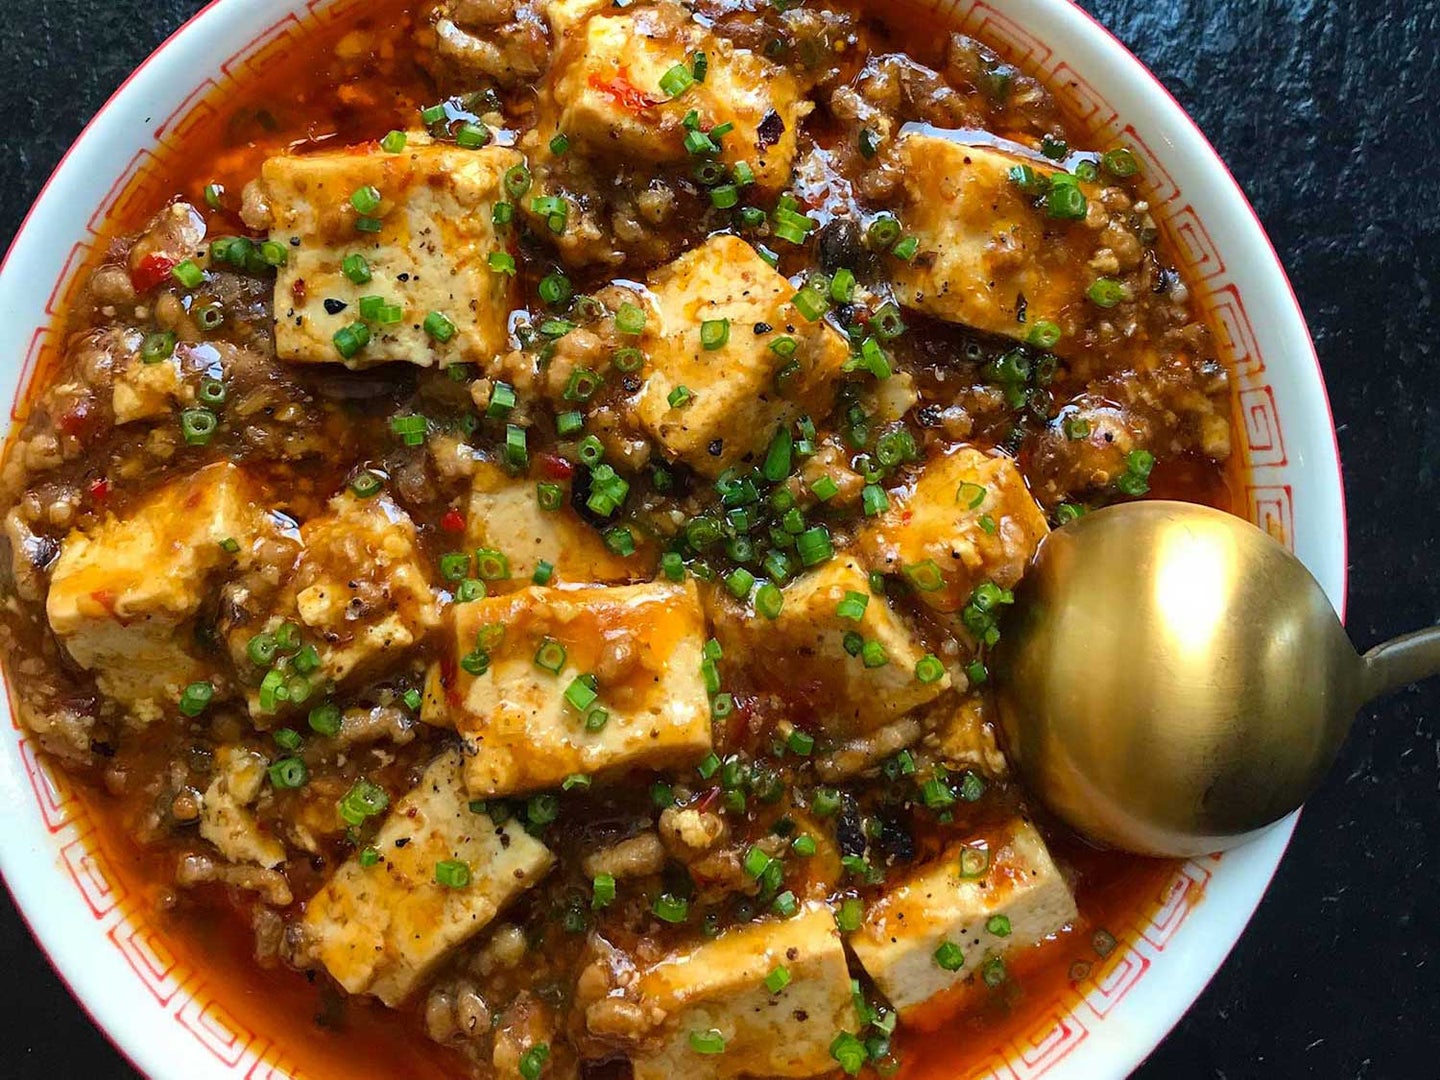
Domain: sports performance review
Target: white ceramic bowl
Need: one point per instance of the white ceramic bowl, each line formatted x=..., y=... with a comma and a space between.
x=173, y=1022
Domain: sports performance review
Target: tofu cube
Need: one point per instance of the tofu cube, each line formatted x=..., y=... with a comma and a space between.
x=122, y=595
x=225, y=816
x=505, y=516
x=641, y=642
x=971, y=515
x=902, y=930
x=383, y=929
x=720, y=985
x=360, y=592
x=984, y=244
x=734, y=405
x=607, y=90
x=430, y=253
x=802, y=653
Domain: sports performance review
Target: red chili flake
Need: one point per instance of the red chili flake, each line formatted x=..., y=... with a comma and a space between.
x=708, y=800
x=297, y=292
x=77, y=420
x=453, y=521
x=555, y=467
x=153, y=269
x=624, y=93
x=100, y=489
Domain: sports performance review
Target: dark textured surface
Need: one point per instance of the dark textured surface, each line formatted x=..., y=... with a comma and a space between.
x=1326, y=113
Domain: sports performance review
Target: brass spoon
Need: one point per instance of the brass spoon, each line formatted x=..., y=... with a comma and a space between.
x=1172, y=680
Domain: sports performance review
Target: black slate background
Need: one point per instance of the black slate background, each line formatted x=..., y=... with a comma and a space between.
x=1328, y=114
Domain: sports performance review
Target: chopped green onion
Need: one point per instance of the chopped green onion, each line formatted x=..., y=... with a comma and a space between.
x=630, y=318
x=366, y=200
x=883, y=231
x=491, y=565
x=925, y=576
x=714, y=333
x=582, y=385
x=906, y=248
x=708, y=766
x=195, y=697
x=929, y=669
x=804, y=846
x=1043, y=334
x=198, y=426
x=671, y=908
x=532, y=1062
x=502, y=262
x=357, y=269
x=188, y=274
x=849, y=1052
x=1065, y=201
x=740, y=581
x=580, y=694
x=974, y=862
x=1120, y=162
x=517, y=181
x=769, y=600
x=707, y=1042
x=850, y=915
x=517, y=450
x=873, y=655
x=810, y=302
x=1106, y=292
x=993, y=972
x=814, y=547
x=602, y=891
x=369, y=857
x=676, y=81
x=452, y=873
x=591, y=450
x=620, y=540
x=949, y=956
x=559, y=144
x=157, y=347
x=439, y=327
x=394, y=142
x=214, y=194
x=555, y=289
x=852, y=606
x=288, y=773
x=551, y=657
x=725, y=196
x=325, y=719
x=826, y=802
x=679, y=397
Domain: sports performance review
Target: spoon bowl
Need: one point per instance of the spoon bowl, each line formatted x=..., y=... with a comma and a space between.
x=1172, y=680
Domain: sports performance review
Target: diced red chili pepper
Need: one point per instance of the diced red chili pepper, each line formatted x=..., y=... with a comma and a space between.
x=100, y=489
x=624, y=93
x=77, y=420
x=153, y=269
x=297, y=292
x=453, y=521
x=555, y=467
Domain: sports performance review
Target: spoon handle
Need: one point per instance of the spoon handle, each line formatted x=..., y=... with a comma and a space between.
x=1400, y=662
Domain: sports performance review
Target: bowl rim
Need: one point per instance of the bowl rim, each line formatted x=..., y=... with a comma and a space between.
x=49, y=924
